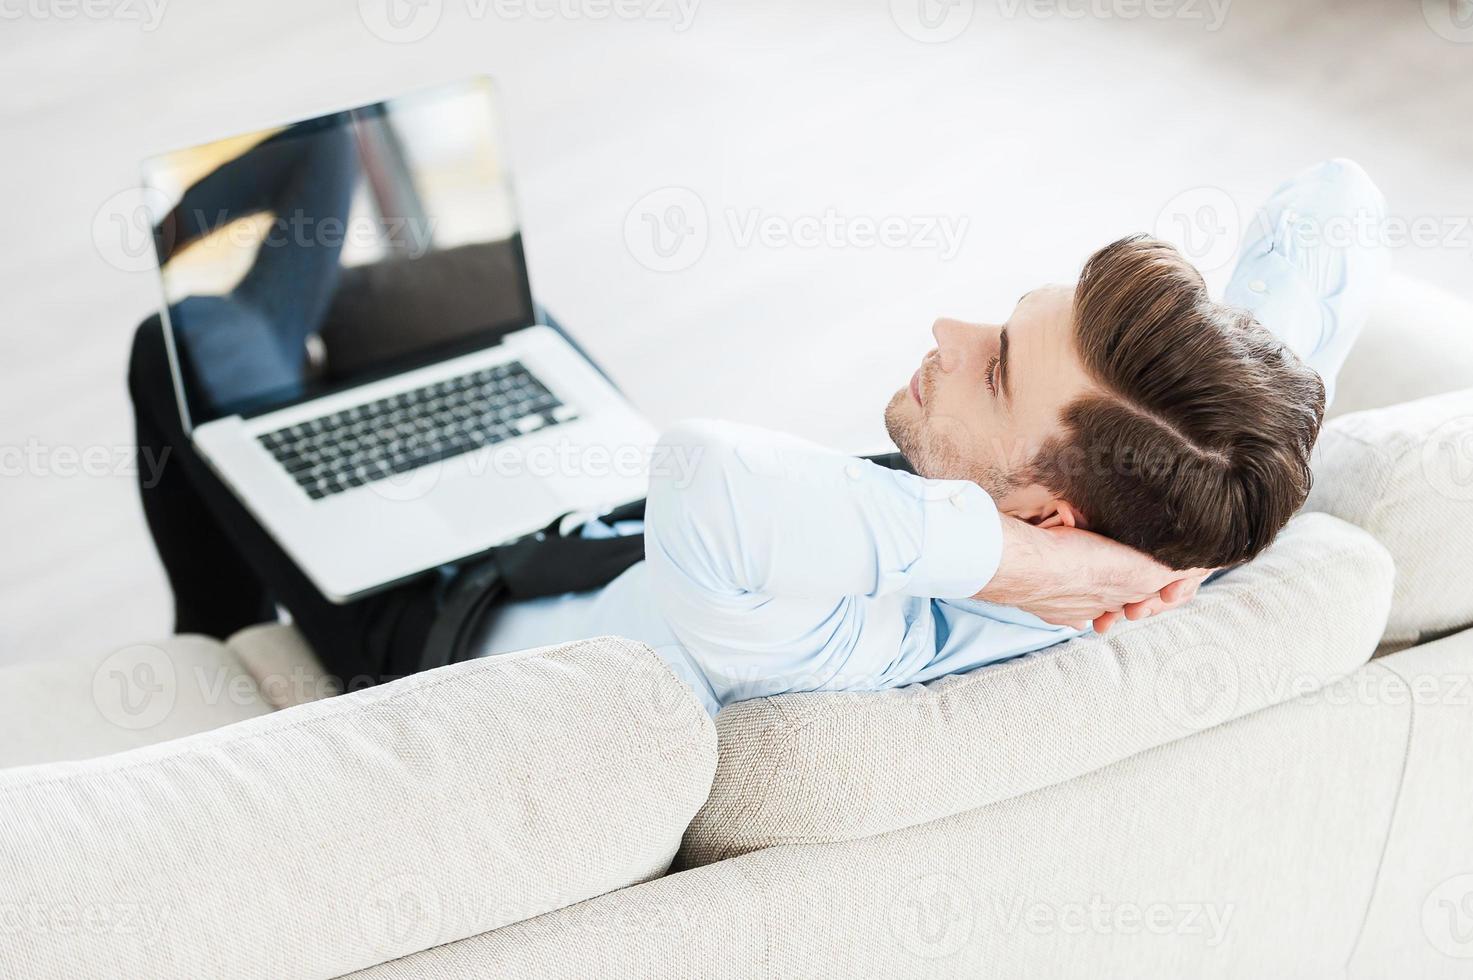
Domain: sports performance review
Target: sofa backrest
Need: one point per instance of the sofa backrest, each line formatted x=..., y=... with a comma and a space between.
x=828, y=767
x=335, y=835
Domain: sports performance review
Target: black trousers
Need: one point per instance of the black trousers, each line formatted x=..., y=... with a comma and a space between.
x=226, y=572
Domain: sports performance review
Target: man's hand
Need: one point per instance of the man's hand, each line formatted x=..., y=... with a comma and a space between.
x=1071, y=577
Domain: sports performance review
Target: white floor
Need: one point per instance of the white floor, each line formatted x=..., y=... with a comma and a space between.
x=1041, y=135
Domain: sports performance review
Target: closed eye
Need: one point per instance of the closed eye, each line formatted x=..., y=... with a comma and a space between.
x=991, y=375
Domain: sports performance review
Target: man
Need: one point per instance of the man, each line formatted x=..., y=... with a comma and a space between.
x=1130, y=404
x=1129, y=407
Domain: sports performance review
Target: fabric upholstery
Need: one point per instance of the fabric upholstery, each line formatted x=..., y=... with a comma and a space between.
x=1405, y=474
x=346, y=832
x=1420, y=923
x=1418, y=342
x=81, y=707
x=1250, y=850
x=285, y=668
x=815, y=767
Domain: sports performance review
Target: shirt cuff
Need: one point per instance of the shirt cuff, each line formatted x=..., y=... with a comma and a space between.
x=961, y=543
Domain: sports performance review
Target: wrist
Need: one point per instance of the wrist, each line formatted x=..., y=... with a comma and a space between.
x=1027, y=570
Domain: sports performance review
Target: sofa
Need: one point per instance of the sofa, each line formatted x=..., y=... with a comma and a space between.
x=1273, y=781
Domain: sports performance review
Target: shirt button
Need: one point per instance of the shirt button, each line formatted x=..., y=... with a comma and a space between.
x=853, y=470
x=1258, y=286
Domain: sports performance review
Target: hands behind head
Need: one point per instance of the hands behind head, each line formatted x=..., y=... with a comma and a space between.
x=1071, y=577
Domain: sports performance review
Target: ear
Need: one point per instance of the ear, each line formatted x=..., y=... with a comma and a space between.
x=1060, y=513
x=1037, y=505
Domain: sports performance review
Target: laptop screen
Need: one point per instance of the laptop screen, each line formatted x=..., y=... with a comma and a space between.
x=313, y=257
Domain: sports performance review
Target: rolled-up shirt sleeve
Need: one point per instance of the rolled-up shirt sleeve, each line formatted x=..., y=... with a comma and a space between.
x=742, y=511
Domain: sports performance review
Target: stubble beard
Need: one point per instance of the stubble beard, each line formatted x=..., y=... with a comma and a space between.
x=937, y=455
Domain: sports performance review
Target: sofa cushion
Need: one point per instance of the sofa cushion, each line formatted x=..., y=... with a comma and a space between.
x=1405, y=474
x=284, y=666
x=335, y=835
x=81, y=707
x=823, y=767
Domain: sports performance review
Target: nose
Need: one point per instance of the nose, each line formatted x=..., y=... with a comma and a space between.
x=960, y=346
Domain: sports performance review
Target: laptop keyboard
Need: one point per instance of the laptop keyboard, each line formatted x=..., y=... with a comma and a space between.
x=407, y=431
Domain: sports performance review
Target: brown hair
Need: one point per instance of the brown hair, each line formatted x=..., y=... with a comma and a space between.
x=1196, y=451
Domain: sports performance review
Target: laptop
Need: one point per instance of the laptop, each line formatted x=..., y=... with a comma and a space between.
x=355, y=348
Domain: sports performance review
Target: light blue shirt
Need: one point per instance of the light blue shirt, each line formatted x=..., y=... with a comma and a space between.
x=775, y=565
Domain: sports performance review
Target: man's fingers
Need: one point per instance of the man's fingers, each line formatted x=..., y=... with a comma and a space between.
x=1140, y=610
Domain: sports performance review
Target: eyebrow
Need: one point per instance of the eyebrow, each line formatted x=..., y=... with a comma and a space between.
x=1004, y=375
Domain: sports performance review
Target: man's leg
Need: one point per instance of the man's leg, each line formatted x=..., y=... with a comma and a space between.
x=223, y=566
x=1313, y=263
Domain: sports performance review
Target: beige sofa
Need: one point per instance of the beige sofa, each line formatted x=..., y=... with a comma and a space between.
x=1275, y=781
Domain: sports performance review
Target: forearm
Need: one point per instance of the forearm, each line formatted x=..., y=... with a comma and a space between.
x=1033, y=566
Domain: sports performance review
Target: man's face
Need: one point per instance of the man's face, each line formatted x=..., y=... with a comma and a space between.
x=988, y=397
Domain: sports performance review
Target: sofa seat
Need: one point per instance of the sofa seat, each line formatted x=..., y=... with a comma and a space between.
x=112, y=701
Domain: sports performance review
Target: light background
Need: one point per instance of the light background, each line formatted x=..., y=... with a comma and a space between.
x=1050, y=128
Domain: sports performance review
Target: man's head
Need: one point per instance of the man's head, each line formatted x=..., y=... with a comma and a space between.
x=1129, y=403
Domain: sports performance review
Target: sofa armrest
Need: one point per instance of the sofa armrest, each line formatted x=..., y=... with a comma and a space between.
x=324, y=838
